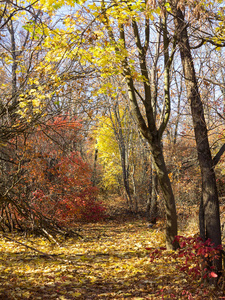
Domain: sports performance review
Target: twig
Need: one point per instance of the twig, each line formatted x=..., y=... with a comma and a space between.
x=29, y=247
x=50, y=237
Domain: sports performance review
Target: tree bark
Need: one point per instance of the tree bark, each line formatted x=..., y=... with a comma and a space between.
x=209, y=212
x=152, y=205
x=165, y=184
x=123, y=149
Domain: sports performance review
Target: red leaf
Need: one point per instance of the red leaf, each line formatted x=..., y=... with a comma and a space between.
x=213, y=275
x=162, y=248
x=182, y=244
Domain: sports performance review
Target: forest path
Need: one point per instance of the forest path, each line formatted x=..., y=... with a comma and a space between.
x=111, y=262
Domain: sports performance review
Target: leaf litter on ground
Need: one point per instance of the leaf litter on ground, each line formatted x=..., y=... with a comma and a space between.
x=111, y=262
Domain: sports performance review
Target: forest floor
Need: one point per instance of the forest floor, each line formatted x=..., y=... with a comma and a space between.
x=110, y=262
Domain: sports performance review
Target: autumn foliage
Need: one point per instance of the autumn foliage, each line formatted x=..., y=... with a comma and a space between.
x=195, y=256
x=67, y=194
x=55, y=181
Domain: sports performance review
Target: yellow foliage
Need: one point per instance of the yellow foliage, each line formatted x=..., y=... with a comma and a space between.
x=108, y=152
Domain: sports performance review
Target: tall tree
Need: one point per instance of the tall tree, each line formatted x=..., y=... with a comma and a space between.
x=120, y=24
x=209, y=207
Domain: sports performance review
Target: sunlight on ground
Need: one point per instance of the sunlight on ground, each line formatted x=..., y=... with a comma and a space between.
x=111, y=262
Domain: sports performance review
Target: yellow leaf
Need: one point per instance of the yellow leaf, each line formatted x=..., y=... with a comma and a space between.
x=74, y=294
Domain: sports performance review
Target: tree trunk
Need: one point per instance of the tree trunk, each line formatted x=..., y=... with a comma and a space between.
x=135, y=197
x=152, y=205
x=209, y=212
x=94, y=174
x=165, y=184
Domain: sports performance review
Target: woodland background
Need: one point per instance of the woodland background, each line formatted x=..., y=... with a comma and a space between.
x=72, y=152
